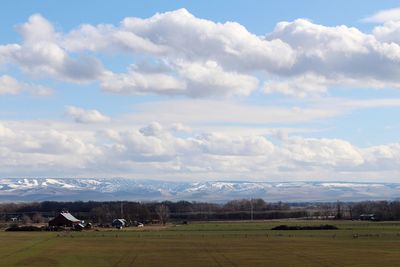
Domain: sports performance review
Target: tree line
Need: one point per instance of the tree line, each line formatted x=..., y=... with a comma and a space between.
x=243, y=209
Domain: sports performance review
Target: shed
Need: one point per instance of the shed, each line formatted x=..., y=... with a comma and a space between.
x=64, y=219
x=119, y=223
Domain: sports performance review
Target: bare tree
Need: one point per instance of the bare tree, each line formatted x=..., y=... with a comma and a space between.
x=104, y=213
x=37, y=218
x=163, y=213
x=26, y=219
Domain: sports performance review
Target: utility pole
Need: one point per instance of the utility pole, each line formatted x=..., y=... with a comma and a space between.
x=122, y=210
x=338, y=211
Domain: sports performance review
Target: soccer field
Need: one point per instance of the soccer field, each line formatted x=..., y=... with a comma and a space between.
x=209, y=244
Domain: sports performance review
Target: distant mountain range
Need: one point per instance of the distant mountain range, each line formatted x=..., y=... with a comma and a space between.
x=42, y=189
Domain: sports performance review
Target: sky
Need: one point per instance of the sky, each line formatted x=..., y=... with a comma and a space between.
x=201, y=90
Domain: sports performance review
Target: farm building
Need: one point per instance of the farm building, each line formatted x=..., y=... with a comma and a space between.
x=64, y=219
x=79, y=227
x=119, y=223
x=368, y=217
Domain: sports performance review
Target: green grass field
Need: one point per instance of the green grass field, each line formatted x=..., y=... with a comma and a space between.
x=209, y=244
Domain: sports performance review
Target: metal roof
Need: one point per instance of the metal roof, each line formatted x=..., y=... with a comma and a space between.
x=121, y=221
x=69, y=217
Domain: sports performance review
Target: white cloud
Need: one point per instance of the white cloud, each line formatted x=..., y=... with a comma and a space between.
x=156, y=150
x=139, y=82
x=194, y=79
x=108, y=38
x=384, y=16
x=205, y=112
x=300, y=86
x=41, y=54
x=81, y=115
x=39, y=90
x=222, y=144
x=320, y=152
x=218, y=54
x=210, y=79
x=5, y=132
x=153, y=129
x=339, y=56
x=301, y=57
x=176, y=53
x=9, y=85
x=388, y=32
x=179, y=34
x=45, y=142
x=383, y=156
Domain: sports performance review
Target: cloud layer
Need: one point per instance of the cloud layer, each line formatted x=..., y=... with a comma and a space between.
x=161, y=151
x=176, y=53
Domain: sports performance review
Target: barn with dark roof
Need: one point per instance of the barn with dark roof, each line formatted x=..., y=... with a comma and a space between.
x=65, y=219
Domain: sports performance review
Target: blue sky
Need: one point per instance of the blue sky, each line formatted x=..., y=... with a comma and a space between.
x=200, y=90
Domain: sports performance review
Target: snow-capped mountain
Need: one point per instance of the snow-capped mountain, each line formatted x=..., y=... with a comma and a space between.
x=40, y=189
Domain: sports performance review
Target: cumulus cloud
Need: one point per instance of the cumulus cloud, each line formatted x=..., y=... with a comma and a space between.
x=81, y=115
x=194, y=79
x=229, y=43
x=319, y=152
x=45, y=142
x=388, y=32
x=196, y=57
x=212, y=59
x=153, y=129
x=46, y=151
x=210, y=79
x=301, y=57
x=383, y=156
x=180, y=34
x=336, y=55
x=41, y=54
x=104, y=37
x=157, y=143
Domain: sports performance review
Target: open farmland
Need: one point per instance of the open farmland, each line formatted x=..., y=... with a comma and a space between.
x=209, y=244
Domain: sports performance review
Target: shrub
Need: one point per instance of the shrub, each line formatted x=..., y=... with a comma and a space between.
x=314, y=227
x=23, y=228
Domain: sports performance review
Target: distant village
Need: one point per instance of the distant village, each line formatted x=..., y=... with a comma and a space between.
x=65, y=219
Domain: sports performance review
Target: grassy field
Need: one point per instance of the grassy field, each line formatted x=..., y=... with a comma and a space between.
x=209, y=244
